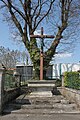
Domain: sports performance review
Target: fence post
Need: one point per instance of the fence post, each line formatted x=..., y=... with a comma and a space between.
x=17, y=79
x=1, y=88
x=63, y=80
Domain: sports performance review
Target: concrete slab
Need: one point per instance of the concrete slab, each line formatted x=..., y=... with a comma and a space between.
x=41, y=81
x=41, y=85
x=41, y=94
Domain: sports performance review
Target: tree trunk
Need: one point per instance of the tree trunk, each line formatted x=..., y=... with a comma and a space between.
x=36, y=74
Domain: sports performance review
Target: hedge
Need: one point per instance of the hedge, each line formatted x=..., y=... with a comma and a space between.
x=72, y=80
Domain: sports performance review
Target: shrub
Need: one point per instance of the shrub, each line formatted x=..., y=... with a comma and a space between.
x=58, y=83
x=72, y=80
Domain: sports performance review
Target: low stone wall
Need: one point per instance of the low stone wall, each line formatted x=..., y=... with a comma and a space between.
x=71, y=94
x=10, y=95
x=7, y=95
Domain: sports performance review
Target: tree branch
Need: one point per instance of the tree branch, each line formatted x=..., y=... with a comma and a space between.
x=18, y=25
x=64, y=19
x=4, y=2
x=19, y=12
x=37, y=16
x=44, y=15
x=22, y=3
x=35, y=9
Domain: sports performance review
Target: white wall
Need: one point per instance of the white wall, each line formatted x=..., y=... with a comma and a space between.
x=59, y=69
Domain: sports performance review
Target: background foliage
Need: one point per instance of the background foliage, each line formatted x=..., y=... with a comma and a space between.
x=9, y=58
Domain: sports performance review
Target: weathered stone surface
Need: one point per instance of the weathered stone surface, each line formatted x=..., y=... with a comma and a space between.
x=65, y=101
x=35, y=104
x=71, y=95
x=41, y=94
x=41, y=117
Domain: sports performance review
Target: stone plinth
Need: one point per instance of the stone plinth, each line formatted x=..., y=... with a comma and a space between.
x=41, y=85
x=41, y=94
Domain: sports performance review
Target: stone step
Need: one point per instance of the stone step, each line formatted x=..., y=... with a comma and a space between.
x=39, y=111
x=41, y=100
x=34, y=103
x=55, y=106
x=47, y=106
x=41, y=94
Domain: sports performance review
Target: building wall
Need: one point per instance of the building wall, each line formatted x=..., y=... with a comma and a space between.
x=59, y=69
x=26, y=71
x=53, y=71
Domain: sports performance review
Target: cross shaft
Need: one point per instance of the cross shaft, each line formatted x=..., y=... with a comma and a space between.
x=41, y=52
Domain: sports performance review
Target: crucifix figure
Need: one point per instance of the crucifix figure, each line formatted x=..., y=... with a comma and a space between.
x=42, y=36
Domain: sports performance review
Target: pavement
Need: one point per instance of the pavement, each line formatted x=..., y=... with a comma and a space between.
x=40, y=117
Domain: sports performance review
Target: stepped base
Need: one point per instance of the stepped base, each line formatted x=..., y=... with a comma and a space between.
x=41, y=94
x=41, y=85
x=41, y=101
x=26, y=104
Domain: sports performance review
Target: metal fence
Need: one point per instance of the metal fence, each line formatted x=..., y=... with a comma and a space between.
x=11, y=80
x=27, y=72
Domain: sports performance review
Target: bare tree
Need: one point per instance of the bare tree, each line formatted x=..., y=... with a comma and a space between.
x=9, y=58
x=25, y=17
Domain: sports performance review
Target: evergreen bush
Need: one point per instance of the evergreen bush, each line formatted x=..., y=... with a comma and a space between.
x=72, y=80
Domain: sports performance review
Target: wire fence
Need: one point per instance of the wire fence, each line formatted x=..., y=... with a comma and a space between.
x=14, y=79
x=11, y=80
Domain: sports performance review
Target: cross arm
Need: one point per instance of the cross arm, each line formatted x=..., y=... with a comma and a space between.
x=41, y=36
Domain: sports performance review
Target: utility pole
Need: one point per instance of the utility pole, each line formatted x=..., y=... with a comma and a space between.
x=42, y=36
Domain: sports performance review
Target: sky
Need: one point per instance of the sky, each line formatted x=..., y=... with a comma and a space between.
x=5, y=38
x=7, y=42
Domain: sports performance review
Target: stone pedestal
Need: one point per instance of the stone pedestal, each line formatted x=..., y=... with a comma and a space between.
x=43, y=85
